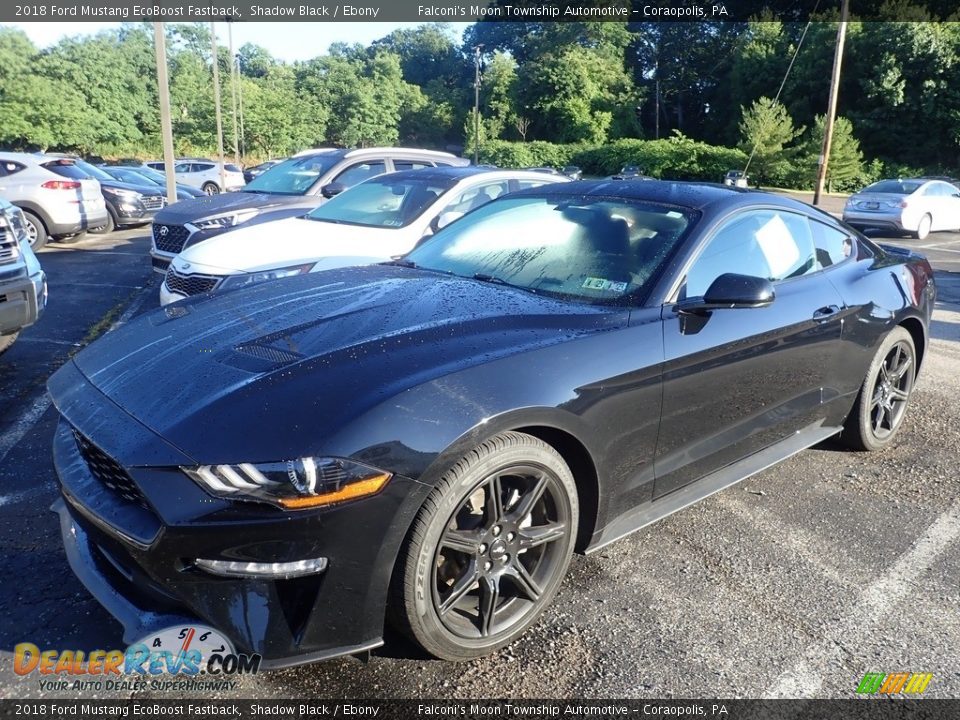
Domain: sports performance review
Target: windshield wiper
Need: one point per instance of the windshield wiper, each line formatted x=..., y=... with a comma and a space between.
x=492, y=279
x=400, y=262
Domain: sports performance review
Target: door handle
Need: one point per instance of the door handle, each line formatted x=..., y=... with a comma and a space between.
x=825, y=313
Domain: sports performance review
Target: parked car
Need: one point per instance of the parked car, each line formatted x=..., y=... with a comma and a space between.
x=378, y=219
x=148, y=176
x=630, y=172
x=53, y=206
x=573, y=172
x=915, y=206
x=205, y=175
x=736, y=178
x=127, y=204
x=436, y=435
x=251, y=172
x=23, y=284
x=291, y=188
x=544, y=169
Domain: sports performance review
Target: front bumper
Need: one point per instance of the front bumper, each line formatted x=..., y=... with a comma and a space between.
x=22, y=300
x=136, y=559
x=136, y=213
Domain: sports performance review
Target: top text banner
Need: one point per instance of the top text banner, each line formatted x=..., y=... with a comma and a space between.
x=436, y=11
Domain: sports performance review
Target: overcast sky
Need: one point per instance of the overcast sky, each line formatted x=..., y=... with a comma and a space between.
x=287, y=41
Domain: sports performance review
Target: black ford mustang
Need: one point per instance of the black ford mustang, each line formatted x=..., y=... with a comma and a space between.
x=433, y=437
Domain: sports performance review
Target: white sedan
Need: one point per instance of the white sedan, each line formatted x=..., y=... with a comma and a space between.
x=372, y=222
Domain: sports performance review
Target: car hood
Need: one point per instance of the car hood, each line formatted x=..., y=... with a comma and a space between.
x=118, y=185
x=293, y=241
x=278, y=367
x=190, y=210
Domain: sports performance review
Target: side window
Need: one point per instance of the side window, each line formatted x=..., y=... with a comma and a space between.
x=399, y=165
x=472, y=198
x=202, y=167
x=360, y=172
x=764, y=243
x=832, y=246
x=524, y=184
x=8, y=168
x=181, y=167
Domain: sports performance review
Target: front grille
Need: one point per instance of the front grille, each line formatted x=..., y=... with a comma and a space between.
x=190, y=285
x=8, y=246
x=108, y=471
x=154, y=202
x=170, y=238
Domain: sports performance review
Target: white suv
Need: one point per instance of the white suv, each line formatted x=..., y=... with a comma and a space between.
x=383, y=217
x=204, y=174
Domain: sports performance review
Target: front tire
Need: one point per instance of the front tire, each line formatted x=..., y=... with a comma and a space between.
x=488, y=550
x=6, y=341
x=106, y=228
x=878, y=413
x=211, y=188
x=923, y=229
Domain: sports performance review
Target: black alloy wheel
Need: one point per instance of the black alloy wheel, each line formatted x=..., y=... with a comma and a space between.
x=885, y=395
x=489, y=549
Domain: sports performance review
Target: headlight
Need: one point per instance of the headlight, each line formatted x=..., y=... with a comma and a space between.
x=130, y=196
x=225, y=220
x=234, y=282
x=294, y=484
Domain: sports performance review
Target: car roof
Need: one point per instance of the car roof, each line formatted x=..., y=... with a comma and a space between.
x=693, y=195
x=378, y=151
x=458, y=173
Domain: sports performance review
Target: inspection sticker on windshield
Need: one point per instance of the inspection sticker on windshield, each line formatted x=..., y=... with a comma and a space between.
x=592, y=283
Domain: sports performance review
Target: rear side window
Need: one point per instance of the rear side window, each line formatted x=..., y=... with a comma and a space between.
x=8, y=168
x=230, y=167
x=67, y=169
x=399, y=165
x=832, y=245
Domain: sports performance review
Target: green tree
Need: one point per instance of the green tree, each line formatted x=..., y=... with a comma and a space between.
x=766, y=132
x=845, y=168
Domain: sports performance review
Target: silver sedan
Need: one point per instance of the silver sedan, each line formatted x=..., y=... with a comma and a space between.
x=917, y=206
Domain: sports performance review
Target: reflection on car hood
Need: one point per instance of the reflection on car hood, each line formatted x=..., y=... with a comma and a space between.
x=189, y=210
x=301, y=356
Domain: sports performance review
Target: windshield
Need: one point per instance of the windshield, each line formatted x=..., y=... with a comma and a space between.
x=382, y=202
x=896, y=187
x=294, y=176
x=595, y=250
x=92, y=171
x=135, y=177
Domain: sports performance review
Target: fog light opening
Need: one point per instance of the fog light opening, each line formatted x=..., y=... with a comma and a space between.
x=278, y=570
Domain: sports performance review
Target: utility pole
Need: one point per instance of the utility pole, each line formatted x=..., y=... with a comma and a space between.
x=476, y=103
x=832, y=103
x=657, y=125
x=243, y=142
x=216, y=102
x=166, y=126
x=234, y=79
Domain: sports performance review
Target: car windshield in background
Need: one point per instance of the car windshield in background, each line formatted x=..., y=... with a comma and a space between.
x=93, y=171
x=381, y=203
x=585, y=249
x=294, y=176
x=895, y=187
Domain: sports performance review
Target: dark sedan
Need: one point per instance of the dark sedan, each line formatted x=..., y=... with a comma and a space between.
x=153, y=178
x=432, y=438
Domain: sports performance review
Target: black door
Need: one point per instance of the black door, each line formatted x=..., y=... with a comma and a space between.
x=738, y=380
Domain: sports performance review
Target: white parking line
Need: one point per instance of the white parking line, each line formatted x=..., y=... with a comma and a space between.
x=805, y=678
x=23, y=424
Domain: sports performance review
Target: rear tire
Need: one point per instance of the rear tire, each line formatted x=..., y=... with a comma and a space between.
x=211, y=188
x=36, y=231
x=6, y=341
x=923, y=229
x=488, y=550
x=881, y=405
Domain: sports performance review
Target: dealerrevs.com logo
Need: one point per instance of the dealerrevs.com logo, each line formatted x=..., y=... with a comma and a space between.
x=894, y=683
x=188, y=651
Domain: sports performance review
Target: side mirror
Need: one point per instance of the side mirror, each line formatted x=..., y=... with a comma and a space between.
x=444, y=219
x=731, y=290
x=331, y=189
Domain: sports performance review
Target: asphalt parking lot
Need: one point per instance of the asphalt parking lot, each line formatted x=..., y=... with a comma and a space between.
x=793, y=583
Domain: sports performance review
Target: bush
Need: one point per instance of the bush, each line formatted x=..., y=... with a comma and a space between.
x=539, y=153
